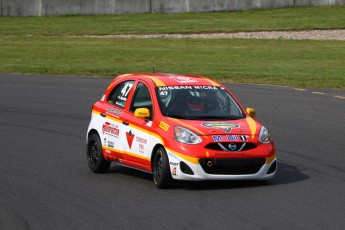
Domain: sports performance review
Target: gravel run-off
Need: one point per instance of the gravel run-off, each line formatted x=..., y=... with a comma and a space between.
x=294, y=35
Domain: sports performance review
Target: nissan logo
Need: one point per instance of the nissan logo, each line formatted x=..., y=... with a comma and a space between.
x=232, y=146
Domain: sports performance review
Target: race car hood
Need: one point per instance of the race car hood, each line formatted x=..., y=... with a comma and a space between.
x=246, y=126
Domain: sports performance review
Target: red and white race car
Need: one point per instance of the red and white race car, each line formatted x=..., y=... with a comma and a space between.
x=178, y=127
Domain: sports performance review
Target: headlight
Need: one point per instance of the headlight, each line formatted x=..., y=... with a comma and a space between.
x=186, y=136
x=264, y=135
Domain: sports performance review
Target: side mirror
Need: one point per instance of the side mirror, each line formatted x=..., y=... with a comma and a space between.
x=251, y=112
x=142, y=113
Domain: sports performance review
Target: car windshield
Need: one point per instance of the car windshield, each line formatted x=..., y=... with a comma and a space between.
x=198, y=103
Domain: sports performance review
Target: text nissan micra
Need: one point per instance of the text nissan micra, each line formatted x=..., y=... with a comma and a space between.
x=178, y=127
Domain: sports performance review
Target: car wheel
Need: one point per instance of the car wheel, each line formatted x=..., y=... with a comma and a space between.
x=95, y=159
x=161, y=170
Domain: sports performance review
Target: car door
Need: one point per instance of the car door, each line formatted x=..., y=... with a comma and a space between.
x=113, y=108
x=137, y=142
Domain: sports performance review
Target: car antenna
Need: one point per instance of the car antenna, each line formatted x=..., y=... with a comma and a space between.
x=153, y=70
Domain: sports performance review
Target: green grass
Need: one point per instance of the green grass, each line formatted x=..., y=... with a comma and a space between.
x=42, y=45
x=310, y=64
x=253, y=20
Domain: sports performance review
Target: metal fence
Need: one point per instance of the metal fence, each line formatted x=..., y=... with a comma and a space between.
x=79, y=7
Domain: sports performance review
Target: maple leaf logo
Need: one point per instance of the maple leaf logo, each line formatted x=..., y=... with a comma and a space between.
x=130, y=136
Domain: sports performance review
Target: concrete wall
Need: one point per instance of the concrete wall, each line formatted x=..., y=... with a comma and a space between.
x=72, y=7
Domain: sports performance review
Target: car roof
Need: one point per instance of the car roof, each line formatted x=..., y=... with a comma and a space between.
x=169, y=79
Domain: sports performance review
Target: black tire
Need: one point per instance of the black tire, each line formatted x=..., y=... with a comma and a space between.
x=95, y=159
x=161, y=169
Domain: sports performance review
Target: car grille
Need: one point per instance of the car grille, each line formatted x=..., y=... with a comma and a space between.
x=231, y=166
x=231, y=146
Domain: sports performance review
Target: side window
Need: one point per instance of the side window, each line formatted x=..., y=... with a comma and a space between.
x=118, y=96
x=141, y=98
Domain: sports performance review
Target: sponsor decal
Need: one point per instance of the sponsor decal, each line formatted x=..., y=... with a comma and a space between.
x=205, y=87
x=164, y=93
x=182, y=79
x=219, y=138
x=110, y=129
x=173, y=167
x=130, y=136
x=120, y=104
x=225, y=126
x=114, y=111
x=164, y=89
x=149, y=123
x=121, y=98
x=142, y=142
x=234, y=154
x=163, y=126
x=110, y=144
x=141, y=148
x=174, y=171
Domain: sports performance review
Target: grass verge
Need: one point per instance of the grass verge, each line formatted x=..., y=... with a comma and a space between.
x=42, y=45
x=307, y=64
x=299, y=18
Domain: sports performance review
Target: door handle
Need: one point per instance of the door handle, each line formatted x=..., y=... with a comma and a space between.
x=125, y=123
x=103, y=115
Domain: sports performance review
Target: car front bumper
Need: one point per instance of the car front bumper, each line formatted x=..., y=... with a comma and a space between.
x=222, y=168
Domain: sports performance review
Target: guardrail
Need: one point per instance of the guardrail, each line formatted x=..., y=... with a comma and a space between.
x=79, y=7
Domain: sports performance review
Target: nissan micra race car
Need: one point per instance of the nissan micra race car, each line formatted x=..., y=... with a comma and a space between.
x=178, y=127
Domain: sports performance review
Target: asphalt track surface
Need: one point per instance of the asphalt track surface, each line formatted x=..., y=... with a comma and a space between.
x=45, y=182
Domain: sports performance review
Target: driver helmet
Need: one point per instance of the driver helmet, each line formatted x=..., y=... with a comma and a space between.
x=195, y=101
